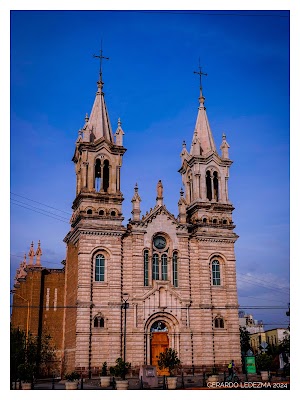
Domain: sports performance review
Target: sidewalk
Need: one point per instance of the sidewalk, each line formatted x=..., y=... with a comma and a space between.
x=190, y=383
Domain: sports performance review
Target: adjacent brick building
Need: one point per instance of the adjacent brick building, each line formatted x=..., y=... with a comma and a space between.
x=177, y=275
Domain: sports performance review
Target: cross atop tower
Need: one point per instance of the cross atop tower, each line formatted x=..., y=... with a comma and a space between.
x=200, y=73
x=101, y=57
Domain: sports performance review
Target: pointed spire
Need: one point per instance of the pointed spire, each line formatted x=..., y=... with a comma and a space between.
x=38, y=255
x=224, y=147
x=31, y=254
x=98, y=125
x=136, y=200
x=203, y=142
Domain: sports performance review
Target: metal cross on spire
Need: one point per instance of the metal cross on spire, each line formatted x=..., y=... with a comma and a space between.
x=101, y=57
x=200, y=73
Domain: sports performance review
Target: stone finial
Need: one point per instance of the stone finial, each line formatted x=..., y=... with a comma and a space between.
x=136, y=201
x=86, y=117
x=31, y=254
x=182, y=208
x=224, y=147
x=119, y=133
x=38, y=255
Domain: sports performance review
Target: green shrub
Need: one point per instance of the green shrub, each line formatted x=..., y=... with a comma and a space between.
x=72, y=376
x=121, y=368
x=264, y=362
x=168, y=360
x=104, y=369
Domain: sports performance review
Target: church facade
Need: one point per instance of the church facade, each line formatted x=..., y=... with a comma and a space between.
x=161, y=281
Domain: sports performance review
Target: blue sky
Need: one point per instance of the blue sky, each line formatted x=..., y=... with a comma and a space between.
x=150, y=85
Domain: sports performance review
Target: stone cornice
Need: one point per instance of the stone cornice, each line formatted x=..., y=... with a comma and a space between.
x=74, y=235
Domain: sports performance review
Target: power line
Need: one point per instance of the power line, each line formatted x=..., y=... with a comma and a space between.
x=282, y=290
x=261, y=298
x=43, y=213
x=168, y=309
x=47, y=262
x=43, y=204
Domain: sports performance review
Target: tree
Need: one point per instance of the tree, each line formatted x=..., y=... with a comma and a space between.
x=169, y=360
x=244, y=340
x=30, y=355
x=120, y=369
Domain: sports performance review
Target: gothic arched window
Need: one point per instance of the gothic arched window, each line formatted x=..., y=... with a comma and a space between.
x=219, y=322
x=164, y=267
x=208, y=186
x=97, y=175
x=106, y=175
x=98, y=322
x=155, y=267
x=100, y=268
x=175, y=269
x=146, y=268
x=216, y=273
x=216, y=186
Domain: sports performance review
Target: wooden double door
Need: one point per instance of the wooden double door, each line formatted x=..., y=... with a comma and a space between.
x=159, y=342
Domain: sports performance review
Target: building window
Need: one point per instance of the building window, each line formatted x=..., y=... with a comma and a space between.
x=219, y=322
x=98, y=322
x=216, y=186
x=106, y=176
x=216, y=275
x=89, y=211
x=113, y=213
x=100, y=268
x=208, y=186
x=175, y=269
x=155, y=267
x=164, y=267
x=146, y=268
x=101, y=212
x=97, y=176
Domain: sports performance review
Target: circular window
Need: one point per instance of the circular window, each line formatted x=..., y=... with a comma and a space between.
x=160, y=242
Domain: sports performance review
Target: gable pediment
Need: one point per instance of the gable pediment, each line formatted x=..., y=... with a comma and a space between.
x=157, y=212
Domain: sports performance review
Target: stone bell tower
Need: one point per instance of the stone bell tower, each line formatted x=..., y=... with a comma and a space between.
x=98, y=161
x=94, y=245
x=205, y=174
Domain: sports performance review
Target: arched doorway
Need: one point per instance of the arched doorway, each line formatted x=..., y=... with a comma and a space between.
x=159, y=342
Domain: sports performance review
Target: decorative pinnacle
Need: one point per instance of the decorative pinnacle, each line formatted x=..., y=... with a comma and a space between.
x=101, y=57
x=200, y=73
x=181, y=192
x=119, y=122
x=86, y=117
x=224, y=136
x=136, y=188
x=184, y=144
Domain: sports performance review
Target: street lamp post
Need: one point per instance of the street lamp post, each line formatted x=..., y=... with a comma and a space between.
x=125, y=305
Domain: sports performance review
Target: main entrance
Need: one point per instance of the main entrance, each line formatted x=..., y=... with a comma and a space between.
x=159, y=342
